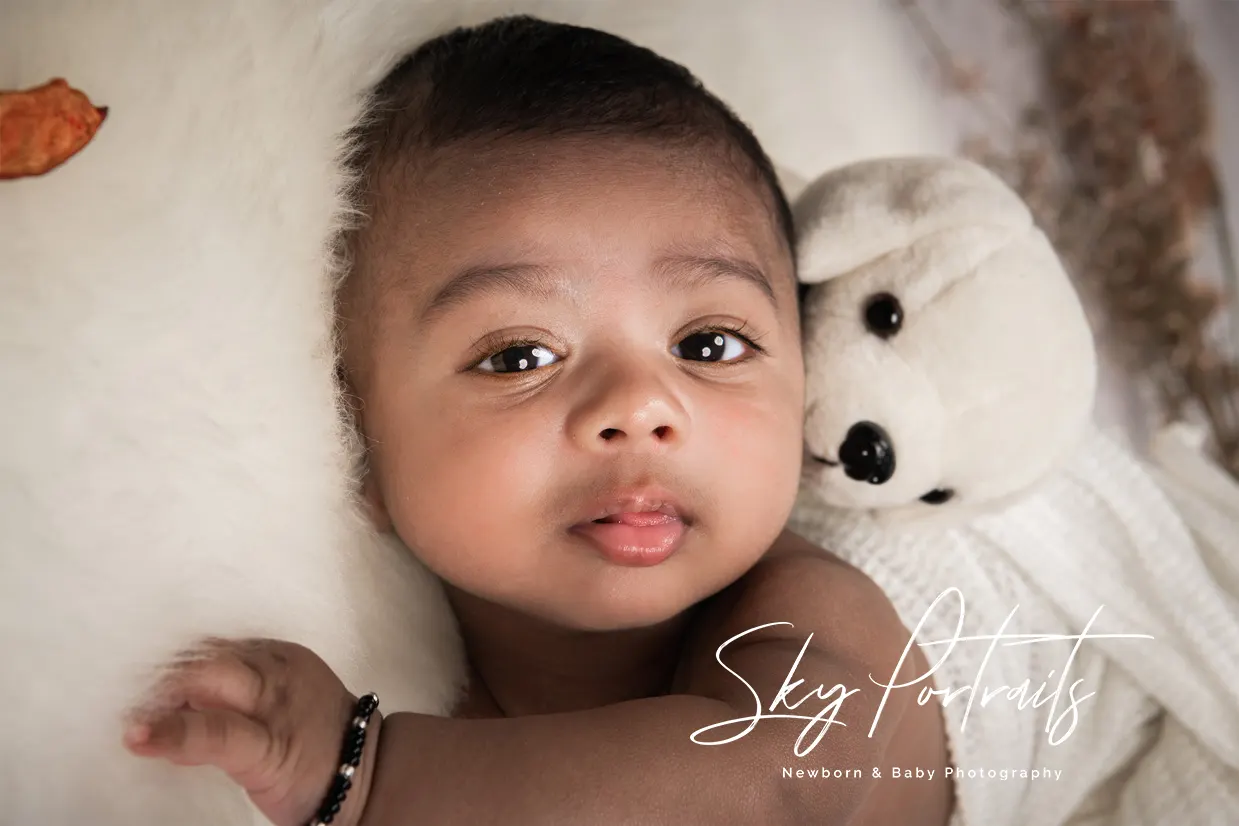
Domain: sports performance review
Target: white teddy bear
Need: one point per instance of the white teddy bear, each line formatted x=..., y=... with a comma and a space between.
x=952, y=361
x=951, y=375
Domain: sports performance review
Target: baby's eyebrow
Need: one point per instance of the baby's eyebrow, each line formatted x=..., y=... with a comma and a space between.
x=529, y=278
x=687, y=272
x=682, y=272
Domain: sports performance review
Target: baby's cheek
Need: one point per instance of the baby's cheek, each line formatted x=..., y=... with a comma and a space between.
x=475, y=498
x=758, y=445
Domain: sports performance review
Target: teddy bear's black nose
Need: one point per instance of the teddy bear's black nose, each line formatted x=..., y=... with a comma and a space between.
x=867, y=454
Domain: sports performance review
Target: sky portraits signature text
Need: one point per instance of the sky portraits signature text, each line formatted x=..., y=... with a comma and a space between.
x=1060, y=724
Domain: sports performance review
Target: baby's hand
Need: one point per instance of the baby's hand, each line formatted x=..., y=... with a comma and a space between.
x=272, y=715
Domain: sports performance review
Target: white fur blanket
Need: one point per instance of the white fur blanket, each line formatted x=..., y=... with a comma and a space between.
x=171, y=463
x=171, y=459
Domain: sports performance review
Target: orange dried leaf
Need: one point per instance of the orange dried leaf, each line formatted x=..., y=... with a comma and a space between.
x=43, y=127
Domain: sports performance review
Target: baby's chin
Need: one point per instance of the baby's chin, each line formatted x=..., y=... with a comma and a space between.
x=618, y=604
x=618, y=599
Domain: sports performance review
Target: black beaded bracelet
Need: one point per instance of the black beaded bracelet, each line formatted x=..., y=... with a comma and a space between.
x=350, y=756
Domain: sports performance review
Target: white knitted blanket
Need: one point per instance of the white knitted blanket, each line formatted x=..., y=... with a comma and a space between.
x=1144, y=732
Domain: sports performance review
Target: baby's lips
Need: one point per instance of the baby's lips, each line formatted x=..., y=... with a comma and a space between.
x=635, y=500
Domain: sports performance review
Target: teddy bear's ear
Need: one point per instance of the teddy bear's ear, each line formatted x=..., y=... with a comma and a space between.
x=858, y=213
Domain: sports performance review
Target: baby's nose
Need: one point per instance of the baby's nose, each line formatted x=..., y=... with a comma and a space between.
x=867, y=454
x=658, y=434
x=629, y=411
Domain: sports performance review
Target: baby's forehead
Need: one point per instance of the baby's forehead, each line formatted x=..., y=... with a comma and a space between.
x=538, y=193
x=627, y=225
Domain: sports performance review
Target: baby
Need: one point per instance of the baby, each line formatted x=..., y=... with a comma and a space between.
x=572, y=331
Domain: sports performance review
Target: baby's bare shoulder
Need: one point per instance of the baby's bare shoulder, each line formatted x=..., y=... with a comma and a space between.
x=800, y=580
x=798, y=589
x=803, y=618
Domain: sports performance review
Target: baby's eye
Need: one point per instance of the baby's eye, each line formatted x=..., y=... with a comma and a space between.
x=519, y=358
x=710, y=345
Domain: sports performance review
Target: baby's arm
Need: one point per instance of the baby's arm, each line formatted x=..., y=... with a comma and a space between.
x=632, y=762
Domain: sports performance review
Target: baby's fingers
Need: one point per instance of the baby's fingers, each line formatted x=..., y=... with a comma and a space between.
x=223, y=680
x=241, y=747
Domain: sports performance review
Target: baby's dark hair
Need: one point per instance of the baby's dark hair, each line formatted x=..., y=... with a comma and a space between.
x=522, y=78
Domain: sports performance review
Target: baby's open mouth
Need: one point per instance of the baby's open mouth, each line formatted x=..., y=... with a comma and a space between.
x=637, y=530
x=638, y=519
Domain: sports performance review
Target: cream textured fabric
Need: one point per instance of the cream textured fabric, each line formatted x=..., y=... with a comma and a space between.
x=1158, y=742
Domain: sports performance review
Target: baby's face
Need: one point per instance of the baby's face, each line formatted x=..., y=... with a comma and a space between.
x=583, y=384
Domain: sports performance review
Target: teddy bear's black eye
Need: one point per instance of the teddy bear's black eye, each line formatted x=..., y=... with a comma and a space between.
x=938, y=496
x=883, y=315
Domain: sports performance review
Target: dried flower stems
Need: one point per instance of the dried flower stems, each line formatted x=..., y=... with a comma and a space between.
x=1117, y=163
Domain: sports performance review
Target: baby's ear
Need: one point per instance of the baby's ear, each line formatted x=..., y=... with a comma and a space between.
x=858, y=213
